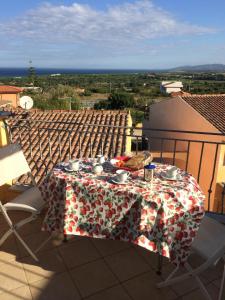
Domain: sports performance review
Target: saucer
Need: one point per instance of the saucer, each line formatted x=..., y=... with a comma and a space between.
x=178, y=177
x=71, y=170
x=114, y=180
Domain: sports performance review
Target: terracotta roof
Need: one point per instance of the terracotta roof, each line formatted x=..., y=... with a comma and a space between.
x=8, y=89
x=180, y=93
x=50, y=139
x=211, y=107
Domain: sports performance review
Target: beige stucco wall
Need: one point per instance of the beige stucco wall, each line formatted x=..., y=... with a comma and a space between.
x=128, y=138
x=176, y=114
x=14, y=98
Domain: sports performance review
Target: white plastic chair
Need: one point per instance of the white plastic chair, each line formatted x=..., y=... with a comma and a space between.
x=13, y=164
x=210, y=244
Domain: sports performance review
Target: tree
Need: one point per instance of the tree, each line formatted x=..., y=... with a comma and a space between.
x=121, y=101
x=103, y=104
x=31, y=73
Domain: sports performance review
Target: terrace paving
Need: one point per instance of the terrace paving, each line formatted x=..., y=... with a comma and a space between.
x=86, y=268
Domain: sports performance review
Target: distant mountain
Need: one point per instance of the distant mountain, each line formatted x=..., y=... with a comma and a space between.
x=200, y=68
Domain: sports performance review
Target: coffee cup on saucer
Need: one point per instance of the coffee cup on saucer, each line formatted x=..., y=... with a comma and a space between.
x=97, y=169
x=100, y=159
x=172, y=172
x=122, y=175
x=74, y=164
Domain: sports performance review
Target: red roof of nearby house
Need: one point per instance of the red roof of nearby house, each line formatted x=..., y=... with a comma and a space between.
x=211, y=107
x=8, y=89
x=180, y=93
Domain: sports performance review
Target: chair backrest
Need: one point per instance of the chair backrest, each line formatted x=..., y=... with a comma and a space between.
x=12, y=163
x=210, y=240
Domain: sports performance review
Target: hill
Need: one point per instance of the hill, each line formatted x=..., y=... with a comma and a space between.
x=200, y=68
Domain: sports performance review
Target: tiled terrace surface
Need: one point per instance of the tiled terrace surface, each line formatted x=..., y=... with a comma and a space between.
x=49, y=136
x=90, y=269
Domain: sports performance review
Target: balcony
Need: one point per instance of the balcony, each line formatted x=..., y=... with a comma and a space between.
x=118, y=270
x=86, y=268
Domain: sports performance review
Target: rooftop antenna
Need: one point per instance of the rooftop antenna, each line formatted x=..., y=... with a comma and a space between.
x=26, y=102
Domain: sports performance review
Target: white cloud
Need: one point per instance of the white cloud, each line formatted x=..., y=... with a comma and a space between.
x=124, y=24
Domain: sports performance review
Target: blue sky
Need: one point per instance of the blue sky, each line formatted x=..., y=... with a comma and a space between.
x=111, y=33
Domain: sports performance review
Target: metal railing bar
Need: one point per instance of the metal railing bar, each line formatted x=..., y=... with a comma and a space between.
x=59, y=145
x=40, y=146
x=200, y=161
x=69, y=136
x=187, y=158
x=223, y=195
x=126, y=127
x=174, y=151
x=49, y=145
x=186, y=140
x=161, y=150
x=136, y=145
x=213, y=176
x=139, y=136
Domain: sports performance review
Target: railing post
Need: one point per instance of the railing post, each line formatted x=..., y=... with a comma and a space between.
x=223, y=195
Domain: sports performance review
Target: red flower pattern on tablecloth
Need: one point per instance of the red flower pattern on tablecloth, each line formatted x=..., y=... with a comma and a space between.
x=163, y=218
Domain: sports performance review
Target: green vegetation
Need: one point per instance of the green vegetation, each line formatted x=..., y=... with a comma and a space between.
x=133, y=91
x=116, y=101
x=59, y=97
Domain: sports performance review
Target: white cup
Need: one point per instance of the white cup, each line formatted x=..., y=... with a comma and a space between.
x=74, y=165
x=97, y=169
x=172, y=172
x=122, y=175
x=100, y=159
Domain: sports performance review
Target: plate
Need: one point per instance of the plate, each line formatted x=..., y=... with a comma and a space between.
x=177, y=178
x=113, y=161
x=118, y=182
x=71, y=170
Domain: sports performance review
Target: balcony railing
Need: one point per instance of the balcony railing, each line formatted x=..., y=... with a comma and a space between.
x=199, y=153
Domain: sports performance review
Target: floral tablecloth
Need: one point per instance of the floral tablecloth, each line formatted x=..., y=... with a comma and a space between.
x=163, y=218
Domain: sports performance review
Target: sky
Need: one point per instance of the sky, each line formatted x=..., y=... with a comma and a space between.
x=111, y=34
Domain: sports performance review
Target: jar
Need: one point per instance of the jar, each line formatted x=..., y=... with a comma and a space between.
x=149, y=172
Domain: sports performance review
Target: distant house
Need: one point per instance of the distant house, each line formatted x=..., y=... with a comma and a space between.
x=195, y=113
x=54, y=75
x=32, y=88
x=79, y=90
x=10, y=95
x=167, y=87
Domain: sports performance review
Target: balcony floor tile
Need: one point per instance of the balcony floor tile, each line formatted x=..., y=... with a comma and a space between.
x=114, y=293
x=49, y=264
x=93, y=277
x=78, y=253
x=127, y=264
x=59, y=287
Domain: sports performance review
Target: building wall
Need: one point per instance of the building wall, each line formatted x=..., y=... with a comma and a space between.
x=176, y=114
x=14, y=98
x=221, y=169
x=170, y=90
x=128, y=138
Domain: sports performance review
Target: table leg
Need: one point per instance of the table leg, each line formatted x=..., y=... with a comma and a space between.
x=65, y=240
x=159, y=265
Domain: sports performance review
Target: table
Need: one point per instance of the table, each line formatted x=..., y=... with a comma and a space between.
x=163, y=219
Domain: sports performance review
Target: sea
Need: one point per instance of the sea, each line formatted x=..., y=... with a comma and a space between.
x=20, y=72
